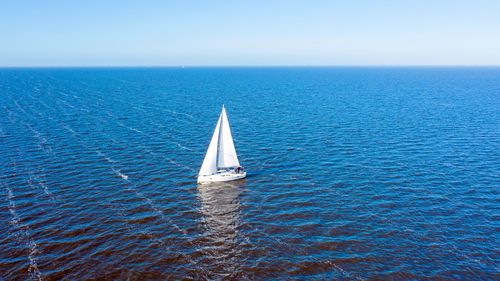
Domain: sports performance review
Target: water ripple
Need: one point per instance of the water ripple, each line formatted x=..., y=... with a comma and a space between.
x=354, y=174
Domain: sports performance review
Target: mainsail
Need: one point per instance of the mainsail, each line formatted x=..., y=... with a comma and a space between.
x=221, y=153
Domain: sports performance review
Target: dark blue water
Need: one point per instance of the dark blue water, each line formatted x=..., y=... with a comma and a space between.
x=354, y=174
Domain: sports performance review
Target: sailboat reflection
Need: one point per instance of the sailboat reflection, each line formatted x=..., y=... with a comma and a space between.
x=220, y=210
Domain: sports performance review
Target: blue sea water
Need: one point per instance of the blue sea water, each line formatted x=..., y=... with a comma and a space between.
x=353, y=174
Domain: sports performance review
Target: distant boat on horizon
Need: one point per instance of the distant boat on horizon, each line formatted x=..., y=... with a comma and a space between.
x=221, y=162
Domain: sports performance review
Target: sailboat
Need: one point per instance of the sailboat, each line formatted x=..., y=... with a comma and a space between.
x=221, y=162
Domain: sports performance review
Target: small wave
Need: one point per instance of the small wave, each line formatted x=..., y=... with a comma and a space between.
x=104, y=156
x=169, y=160
x=183, y=147
x=2, y=133
x=18, y=106
x=180, y=113
x=133, y=188
x=120, y=174
x=37, y=133
x=132, y=129
x=68, y=128
x=45, y=188
x=66, y=103
x=345, y=273
x=43, y=141
x=43, y=145
x=139, y=108
x=24, y=236
x=40, y=179
x=9, y=115
x=135, y=130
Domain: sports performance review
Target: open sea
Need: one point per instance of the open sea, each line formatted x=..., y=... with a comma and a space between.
x=354, y=173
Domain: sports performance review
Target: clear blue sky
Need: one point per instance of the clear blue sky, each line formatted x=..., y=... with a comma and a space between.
x=185, y=32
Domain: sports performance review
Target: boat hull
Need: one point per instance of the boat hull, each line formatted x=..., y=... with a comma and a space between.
x=221, y=177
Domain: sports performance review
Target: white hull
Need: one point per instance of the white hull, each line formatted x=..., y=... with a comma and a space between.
x=221, y=177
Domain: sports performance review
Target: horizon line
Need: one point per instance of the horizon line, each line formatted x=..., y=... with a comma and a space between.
x=250, y=66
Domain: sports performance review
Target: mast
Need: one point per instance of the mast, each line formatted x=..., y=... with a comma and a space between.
x=220, y=145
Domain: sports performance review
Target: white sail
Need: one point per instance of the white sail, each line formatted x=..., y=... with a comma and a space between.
x=221, y=153
x=227, y=157
x=209, y=165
